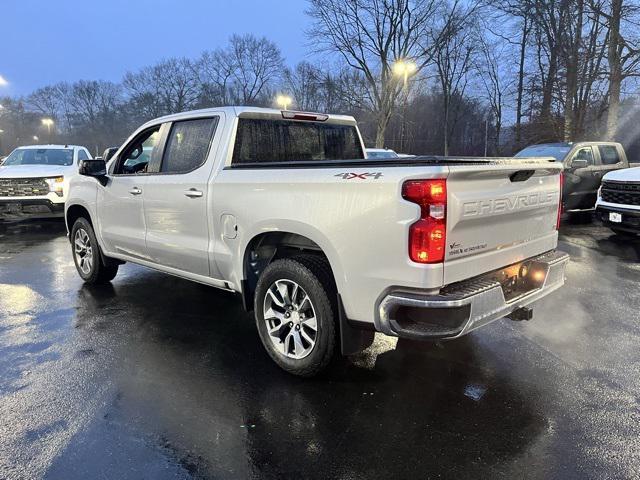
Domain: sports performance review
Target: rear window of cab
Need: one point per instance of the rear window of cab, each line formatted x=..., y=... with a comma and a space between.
x=269, y=141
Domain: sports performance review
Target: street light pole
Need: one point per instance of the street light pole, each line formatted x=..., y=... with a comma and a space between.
x=404, y=68
x=48, y=123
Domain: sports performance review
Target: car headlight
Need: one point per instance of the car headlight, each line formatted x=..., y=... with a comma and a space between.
x=55, y=185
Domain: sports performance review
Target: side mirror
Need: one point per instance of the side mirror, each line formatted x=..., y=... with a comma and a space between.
x=578, y=163
x=94, y=168
x=108, y=153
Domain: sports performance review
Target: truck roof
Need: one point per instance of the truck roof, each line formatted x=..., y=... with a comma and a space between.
x=573, y=144
x=248, y=112
x=50, y=146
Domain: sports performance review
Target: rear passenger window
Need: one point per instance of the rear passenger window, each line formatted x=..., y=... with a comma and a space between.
x=608, y=154
x=188, y=145
x=264, y=141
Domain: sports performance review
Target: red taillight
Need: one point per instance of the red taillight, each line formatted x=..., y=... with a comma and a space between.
x=560, y=202
x=427, y=237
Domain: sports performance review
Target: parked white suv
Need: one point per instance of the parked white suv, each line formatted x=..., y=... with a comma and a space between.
x=325, y=246
x=618, y=204
x=34, y=180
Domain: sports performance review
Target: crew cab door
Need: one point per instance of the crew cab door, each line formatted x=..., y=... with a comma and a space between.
x=121, y=201
x=581, y=183
x=176, y=198
x=611, y=158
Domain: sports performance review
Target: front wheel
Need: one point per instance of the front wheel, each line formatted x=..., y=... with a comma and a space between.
x=86, y=255
x=295, y=309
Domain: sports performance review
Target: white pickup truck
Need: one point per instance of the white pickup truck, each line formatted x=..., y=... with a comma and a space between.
x=34, y=180
x=324, y=245
x=618, y=204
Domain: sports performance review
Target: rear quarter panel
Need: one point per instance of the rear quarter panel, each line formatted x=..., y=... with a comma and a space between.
x=361, y=224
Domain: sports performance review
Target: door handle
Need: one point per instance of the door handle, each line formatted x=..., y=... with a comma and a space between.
x=193, y=193
x=135, y=191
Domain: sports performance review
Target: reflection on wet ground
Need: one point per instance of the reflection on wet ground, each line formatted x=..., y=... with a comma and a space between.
x=156, y=377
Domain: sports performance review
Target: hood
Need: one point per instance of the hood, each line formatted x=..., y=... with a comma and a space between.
x=624, y=175
x=36, y=171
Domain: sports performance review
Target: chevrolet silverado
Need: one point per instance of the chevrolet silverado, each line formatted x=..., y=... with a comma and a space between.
x=324, y=245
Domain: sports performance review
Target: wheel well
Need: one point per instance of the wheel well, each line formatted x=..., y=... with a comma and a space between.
x=74, y=212
x=267, y=247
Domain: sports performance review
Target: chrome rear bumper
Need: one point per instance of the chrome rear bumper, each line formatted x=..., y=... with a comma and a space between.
x=463, y=307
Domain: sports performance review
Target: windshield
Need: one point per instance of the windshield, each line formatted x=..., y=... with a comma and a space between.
x=556, y=151
x=388, y=154
x=40, y=156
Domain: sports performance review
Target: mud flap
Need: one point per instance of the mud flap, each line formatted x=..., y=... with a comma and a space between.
x=352, y=340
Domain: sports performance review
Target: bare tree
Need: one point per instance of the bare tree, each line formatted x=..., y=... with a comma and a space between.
x=257, y=64
x=167, y=87
x=623, y=54
x=454, y=59
x=95, y=108
x=215, y=73
x=493, y=68
x=517, y=14
x=371, y=35
x=305, y=83
x=241, y=73
x=550, y=18
x=46, y=100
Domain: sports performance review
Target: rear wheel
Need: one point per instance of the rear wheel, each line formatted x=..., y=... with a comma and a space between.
x=91, y=266
x=295, y=309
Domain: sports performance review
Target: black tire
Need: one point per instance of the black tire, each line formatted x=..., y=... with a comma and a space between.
x=102, y=269
x=313, y=274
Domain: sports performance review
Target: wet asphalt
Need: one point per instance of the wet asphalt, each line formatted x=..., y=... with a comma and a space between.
x=154, y=377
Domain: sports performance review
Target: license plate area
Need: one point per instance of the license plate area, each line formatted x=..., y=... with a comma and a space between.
x=615, y=217
x=521, y=278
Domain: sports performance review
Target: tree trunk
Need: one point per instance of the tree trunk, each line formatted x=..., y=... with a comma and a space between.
x=523, y=48
x=547, y=90
x=615, y=70
x=381, y=128
x=446, y=126
x=572, y=75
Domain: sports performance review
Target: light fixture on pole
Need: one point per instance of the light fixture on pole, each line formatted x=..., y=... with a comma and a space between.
x=283, y=101
x=402, y=69
x=48, y=122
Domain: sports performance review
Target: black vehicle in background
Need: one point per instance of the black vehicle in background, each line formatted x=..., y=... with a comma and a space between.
x=585, y=163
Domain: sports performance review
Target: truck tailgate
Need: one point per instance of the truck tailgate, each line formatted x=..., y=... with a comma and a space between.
x=499, y=214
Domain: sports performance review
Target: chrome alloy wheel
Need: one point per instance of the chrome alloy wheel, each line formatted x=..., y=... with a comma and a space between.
x=290, y=318
x=83, y=251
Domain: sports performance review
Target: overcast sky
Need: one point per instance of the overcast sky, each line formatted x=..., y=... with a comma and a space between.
x=44, y=42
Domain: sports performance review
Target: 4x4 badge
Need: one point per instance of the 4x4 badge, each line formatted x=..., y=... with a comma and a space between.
x=360, y=176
